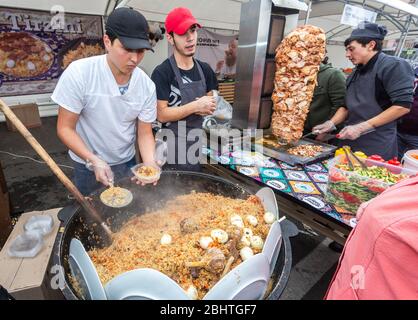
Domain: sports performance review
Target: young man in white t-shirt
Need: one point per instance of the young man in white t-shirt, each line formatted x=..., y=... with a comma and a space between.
x=107, y=103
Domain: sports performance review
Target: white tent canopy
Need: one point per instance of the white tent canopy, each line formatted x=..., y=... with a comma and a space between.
x=221, y=14
x=398, y=16
x=224, y=16
x=78, y=6
x=327, y=14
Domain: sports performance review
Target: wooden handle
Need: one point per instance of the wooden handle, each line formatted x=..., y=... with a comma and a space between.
x=53, y=166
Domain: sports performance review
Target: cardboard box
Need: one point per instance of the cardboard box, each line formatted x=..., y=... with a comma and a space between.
x=28, y=114
x=28, y=278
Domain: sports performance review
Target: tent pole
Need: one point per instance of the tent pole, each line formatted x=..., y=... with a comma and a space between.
x=107, y=7
x=403, y=38
x=308, y=13
x=121, y=3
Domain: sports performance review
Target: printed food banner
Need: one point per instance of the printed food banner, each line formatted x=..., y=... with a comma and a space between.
x=37, y=46
x=218, y=50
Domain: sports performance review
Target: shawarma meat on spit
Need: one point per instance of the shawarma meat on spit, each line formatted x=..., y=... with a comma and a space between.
x=298, y=58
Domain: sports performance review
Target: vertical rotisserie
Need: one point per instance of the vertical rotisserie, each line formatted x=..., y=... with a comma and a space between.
x=298, y=58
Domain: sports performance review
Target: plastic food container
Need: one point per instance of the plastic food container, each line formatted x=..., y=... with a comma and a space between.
x=410, y=160
x=349, y=189
x=41, y=224
x=146, y=173
x=26, y=245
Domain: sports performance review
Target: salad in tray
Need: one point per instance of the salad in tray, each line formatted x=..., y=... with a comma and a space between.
x=351, y=185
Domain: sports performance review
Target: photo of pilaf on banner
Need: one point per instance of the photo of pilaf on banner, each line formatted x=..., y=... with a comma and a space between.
x=36, y=46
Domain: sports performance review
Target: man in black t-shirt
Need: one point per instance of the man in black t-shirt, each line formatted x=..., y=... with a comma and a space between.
x=167, y=86
x=184, y=91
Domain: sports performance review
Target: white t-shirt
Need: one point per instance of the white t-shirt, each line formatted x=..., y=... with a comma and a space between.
x=107, y=118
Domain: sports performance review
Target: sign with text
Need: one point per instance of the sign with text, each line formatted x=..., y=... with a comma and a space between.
x=353, y=15
x=36, y=46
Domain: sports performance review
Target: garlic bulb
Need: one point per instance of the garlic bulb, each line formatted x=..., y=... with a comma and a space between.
x=246, y=253
x=257, y=242
x=219, y=235
x=269, y=217
x=10, y=63
x=192, y=292
x=205, y=242
x=251, y=220
x=245, y=241
x=166, y=239
x=31, y=66
x=236, y=220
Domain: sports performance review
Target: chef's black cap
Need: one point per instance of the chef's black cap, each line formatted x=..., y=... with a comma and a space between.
x=130, y=27
x=370, y=31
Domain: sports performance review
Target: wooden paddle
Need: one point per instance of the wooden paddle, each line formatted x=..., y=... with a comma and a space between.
x=54, y=167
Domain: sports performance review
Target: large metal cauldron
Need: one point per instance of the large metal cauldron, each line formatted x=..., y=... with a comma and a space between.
x=75, y=224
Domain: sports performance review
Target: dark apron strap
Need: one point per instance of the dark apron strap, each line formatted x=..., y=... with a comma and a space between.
x=351, y=78
x=179, y=79
x=202, y=75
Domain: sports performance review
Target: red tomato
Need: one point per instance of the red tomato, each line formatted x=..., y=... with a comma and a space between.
x=350, y=198
x=376, y=189
x=335, y=176
x=376, y=157
x=394, y=162
x=373, y=187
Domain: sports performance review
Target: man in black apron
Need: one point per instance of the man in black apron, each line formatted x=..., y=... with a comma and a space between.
x=379, y=91
x=184, y=87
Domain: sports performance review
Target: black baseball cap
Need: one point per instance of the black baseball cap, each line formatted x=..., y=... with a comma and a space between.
x=130, y=27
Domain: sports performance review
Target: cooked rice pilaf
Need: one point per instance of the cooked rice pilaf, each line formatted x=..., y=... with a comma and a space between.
x=138, y=243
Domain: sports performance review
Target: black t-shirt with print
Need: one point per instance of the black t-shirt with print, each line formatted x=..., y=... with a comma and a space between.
x=166, y=82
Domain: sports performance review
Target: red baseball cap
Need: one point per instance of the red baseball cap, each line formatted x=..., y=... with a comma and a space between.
x=179, y=20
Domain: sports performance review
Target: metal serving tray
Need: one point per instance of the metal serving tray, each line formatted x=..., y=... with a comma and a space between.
x=280, y=152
